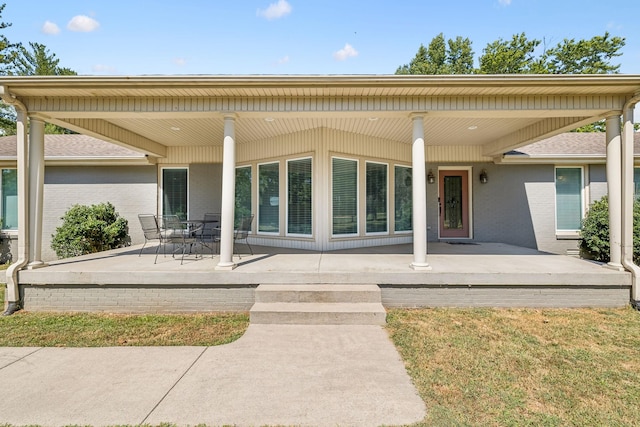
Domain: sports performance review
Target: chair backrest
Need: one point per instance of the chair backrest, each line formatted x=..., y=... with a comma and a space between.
x=149, y=225
x=244, y=227
x=212, y=221
x=171, y=222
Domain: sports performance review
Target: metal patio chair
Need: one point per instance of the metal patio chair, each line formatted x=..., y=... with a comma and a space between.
x=179, y=233
x=209, y=234
x=151, y=231
x=242, y=233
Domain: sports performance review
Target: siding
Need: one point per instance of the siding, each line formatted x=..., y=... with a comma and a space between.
x=131, y=189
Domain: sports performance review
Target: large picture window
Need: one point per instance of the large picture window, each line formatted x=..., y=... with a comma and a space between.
x=377, y=206
x=269, y=198
x=344, y=196
x=403, y=198
x=299, y=200
x=9, y=199
x=174, y=192
x=243, y=193
x=569, y=204
x=636, y=183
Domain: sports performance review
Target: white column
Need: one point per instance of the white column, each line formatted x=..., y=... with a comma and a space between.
x=36, y=191
x=228, y=195
x=419, y=184
x=627, y=185
x=614, y=191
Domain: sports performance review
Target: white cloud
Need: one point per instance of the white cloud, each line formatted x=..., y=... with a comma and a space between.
x=346, y=52
x=283, y=60
x=504, y=2
x=275, y=10
x=104, y=69
x=179, y=61
x=83, y=23
x=50, y=28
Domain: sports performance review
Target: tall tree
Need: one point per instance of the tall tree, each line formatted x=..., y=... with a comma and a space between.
x=441, y=57
x=39, y=62
x=8, y=51
x=510, y=57
x=591, y=56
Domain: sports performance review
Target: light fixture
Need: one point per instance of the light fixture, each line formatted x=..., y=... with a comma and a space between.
x=472, y=127
x=268, y=119
x=175, y=128
x=373, y=119
x=483, y=176
x=430, y=177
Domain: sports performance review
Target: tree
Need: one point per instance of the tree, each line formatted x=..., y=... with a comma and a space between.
x=450, y=57
x=39, y=62
x=90, y=229
x=591, y=56
x=8, y=51
x=510, y=57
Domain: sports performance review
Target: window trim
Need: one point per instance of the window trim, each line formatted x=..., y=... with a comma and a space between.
x=161, y=189
x=286, y=218
x=357, y=233
x=392, y=230
x=569, y=233
x=8, y=231
x=258, y=231
x=387, y=231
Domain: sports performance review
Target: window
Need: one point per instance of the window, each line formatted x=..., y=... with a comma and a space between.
x=376, y=197
x=243, y=193
x=269, y=198
x=636, y=183
x=403, y=193
x=174, y=192
x=345, y=196
x=9, y=199
x=569, y=204
x=299, y=201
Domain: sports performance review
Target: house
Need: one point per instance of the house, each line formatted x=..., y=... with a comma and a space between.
x=337, y=162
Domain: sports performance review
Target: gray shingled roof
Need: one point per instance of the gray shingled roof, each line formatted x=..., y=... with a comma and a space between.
x=588, y=144
x=74, y=145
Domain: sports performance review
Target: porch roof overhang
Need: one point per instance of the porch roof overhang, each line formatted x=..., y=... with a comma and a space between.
x=151, y=113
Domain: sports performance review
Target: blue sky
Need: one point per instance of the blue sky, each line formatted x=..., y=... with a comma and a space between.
x=138, y=37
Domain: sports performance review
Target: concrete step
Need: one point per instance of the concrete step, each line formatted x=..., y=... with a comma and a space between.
x=305, y=313
x=322, y=293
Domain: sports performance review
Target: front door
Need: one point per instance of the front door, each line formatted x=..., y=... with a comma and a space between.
x=453, y=201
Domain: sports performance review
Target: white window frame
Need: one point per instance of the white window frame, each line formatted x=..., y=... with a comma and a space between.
x=161, y=189
x=286, y=230
x=7, y=231
x=269, y=233
x=564, y=233
x=358, y=216
x=393, y=229
x=377, y=233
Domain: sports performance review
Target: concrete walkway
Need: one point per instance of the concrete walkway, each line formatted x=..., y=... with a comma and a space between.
x=274, y=375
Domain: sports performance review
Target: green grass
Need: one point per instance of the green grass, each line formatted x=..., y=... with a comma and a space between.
x=522, y=367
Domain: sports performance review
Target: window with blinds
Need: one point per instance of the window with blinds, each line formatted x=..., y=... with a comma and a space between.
x=376, y=183
x=299, y=197
x=569, y=204
x=9, y=199
x=636, y=183
x=344, y=187
x=174, y=192
x=269, y=198
x=243, y=194
x=403, y=198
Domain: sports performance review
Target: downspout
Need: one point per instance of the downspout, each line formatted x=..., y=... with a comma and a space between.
x=627, y=198
x=13, y=293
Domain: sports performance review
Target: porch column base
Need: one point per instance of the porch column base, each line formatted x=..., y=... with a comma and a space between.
x=36, y=264
x=420, y=266
x=228, y=266
x=614, y=266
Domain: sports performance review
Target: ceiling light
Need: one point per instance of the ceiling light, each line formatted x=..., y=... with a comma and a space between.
x=175, y=128
x=269, y=119
x=472, y=127
x=373, y=119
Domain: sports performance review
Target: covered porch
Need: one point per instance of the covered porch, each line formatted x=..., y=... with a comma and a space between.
x=462, y=275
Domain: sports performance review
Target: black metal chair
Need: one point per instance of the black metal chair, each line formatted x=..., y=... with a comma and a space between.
x=180, y=235
x=209, y=234
x=244, y=228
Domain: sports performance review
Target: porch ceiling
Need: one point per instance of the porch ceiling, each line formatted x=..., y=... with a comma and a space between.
x=153, y=112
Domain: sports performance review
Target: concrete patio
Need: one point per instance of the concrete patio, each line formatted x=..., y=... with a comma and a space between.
x=472, y=274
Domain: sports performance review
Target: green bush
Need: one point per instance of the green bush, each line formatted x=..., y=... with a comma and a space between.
x=90, y=229
x=595, y=232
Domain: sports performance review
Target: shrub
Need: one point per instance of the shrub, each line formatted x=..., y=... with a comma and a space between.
x=595, y=231
x=90, y=229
